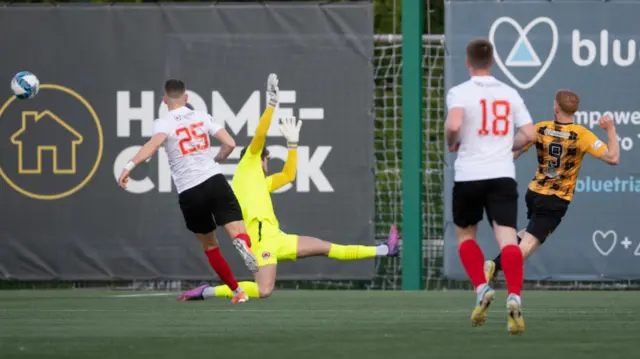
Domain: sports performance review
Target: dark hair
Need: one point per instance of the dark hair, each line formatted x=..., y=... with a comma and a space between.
x=568, y=101
x=480, y=54
x=265, y=152
x=174, y=88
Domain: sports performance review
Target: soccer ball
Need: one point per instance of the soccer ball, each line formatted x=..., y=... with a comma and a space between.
x=25, y=85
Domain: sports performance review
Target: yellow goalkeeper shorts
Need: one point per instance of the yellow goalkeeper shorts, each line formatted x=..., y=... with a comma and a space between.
x=270, y=244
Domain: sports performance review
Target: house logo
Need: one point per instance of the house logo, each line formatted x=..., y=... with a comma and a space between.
x=522, y=53
x=54, y=143
x=61, y=164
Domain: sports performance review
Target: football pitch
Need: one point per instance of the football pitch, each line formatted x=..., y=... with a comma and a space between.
x=313, y=324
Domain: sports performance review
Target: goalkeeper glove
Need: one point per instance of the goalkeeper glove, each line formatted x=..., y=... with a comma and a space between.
x=272, y=90
x=290, y=129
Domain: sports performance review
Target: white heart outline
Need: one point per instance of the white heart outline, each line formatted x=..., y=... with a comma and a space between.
x=523, y=33
x=604, y=235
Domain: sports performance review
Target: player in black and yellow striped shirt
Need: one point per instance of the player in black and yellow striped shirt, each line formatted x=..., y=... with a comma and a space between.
x=561, y=146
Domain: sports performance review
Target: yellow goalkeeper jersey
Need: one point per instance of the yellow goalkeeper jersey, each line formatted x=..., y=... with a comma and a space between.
x=251, y=187
x=252, y=190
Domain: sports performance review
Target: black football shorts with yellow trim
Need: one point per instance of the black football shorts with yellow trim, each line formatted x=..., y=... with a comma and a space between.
x=544, y=212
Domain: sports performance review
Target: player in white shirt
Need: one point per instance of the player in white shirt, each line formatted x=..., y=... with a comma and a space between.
x=484, y=114
x=206, y=198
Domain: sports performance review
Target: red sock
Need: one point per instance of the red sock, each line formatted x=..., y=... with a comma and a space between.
x=513, y=268
x=221, y=267
x=245, y=238
x=473, y=261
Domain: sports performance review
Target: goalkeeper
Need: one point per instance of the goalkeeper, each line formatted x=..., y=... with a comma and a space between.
x=253, y=189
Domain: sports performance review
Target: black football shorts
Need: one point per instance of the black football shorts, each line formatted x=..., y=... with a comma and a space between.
x=210, y=204
x=497, y=196
x=544, y=213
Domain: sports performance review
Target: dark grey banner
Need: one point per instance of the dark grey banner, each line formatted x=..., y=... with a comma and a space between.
x=102, y=70
x=591, y=48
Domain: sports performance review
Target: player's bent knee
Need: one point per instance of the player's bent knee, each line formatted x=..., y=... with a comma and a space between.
x=529, y=244
x=266, y=280
x=265, y=291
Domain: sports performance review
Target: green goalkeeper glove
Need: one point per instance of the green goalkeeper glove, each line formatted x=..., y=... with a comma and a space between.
x=290, y=129
x=272, y=90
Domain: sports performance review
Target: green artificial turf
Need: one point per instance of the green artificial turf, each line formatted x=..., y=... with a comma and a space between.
x=313, y=324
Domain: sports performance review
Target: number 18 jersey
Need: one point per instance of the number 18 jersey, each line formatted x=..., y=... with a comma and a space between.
x=492, y=112
x=188, y=146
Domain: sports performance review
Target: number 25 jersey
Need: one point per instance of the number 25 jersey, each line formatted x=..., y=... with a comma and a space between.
x=492, y=112
x=560, y=149
x=188, y=146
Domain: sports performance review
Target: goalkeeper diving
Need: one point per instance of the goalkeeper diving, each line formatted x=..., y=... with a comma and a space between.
x=253, y=188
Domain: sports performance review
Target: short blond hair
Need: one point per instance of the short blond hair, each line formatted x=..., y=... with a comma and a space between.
x=568, y=101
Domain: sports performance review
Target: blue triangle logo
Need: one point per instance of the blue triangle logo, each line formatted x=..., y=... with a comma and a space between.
x=523, y=55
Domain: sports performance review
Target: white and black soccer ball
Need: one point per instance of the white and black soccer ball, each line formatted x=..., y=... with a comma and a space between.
x=25, y=85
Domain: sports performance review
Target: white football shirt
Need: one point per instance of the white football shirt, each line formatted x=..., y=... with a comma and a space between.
x=492, y=112
x=188, y=146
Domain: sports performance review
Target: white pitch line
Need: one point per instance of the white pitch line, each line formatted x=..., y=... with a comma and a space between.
x=142, y=295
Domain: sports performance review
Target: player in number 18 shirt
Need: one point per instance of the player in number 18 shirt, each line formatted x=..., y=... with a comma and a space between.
x=483, y=116
x=203, y=192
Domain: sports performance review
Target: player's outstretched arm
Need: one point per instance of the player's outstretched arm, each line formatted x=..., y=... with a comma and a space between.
x=257, y=143
x=291, y=131
x=288, y=173
x=609, y=153
x=148, y=150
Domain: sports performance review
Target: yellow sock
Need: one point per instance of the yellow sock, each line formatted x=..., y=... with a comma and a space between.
x=349, y=253
x=251, y=288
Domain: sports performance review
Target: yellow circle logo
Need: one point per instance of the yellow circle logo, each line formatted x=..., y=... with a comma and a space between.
x=52, y=144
